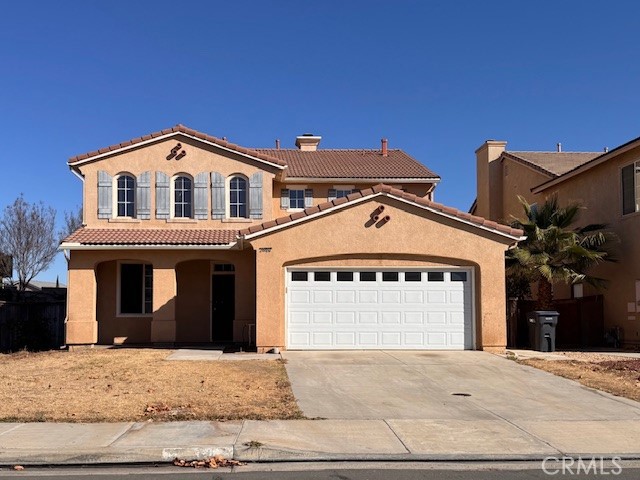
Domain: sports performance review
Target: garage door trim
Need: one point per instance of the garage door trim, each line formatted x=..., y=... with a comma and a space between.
x=309, y=268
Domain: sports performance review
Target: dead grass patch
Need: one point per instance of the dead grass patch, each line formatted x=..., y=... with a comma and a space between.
x=97, y=385
x=618, y=377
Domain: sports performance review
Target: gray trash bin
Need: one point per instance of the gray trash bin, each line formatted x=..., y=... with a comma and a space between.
x=542, y=330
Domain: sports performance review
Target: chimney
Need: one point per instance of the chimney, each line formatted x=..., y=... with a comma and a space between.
x=308, y=142
x=559, y=146
x=385, y=150
x=277, y=144
x=489, y=180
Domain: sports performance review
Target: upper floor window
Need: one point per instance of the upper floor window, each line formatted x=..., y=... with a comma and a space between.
x=126, y=187
x=340, y=191
x=631, y=188
x=238, y=197
x=296, y=198
x=182, y=197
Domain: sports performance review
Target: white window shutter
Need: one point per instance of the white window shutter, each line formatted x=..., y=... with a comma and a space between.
x=162, y=195
x=200, y=196
x=143, y=196
x=255, y=195
x=105, y=194
x=217, y=196
x=308, y=197
x=284, y=198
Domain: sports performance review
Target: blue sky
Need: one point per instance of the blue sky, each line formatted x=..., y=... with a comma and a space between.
x=435, y=78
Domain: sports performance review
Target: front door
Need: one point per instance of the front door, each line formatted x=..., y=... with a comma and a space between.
x=223, y=293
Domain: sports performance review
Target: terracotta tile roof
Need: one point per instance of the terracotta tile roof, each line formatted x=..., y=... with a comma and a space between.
x=349, y=164
x=381, y=188
x=179, y=129
x=104, y=236
x=553, y=163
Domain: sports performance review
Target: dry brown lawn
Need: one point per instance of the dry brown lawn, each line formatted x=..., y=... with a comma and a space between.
x=613, y=375
x=110, y=385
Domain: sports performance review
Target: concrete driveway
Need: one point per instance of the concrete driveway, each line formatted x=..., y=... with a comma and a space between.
x=448, y=385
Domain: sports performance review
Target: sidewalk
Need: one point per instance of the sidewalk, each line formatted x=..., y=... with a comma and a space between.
x=314, y=440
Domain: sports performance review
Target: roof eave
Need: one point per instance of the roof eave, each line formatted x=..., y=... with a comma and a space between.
x=169, y=135
x=306, y=218
x=361, y=180
x=84, y=246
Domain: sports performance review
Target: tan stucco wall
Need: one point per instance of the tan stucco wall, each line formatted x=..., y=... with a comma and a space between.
x=321, y=191
x=200, y=158
x=517, y=180
x=412, y=237
x=600, y=191
x=92, y=304
x=488, y=178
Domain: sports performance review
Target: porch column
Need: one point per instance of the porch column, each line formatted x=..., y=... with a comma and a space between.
x=81, y=324
x=163, y=325
x=270, y=330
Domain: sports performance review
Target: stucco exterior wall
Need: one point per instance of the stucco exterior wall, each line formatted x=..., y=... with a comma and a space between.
x=181, y=296
x=412, y=237
x=151, y=158
x=517, y=180
x=600, y=191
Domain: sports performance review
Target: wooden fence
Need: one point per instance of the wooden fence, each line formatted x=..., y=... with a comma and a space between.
x=580, y=324
x=32, y=325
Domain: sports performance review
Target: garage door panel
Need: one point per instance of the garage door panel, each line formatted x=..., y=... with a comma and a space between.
x=420, y=310
x=367, y=317
x=368, y=296
x=322, y=296
x=348, y=296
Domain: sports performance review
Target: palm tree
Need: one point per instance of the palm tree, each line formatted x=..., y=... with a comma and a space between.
x=553, y=252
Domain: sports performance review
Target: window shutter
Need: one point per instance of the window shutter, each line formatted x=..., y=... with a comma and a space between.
x=284, y=198
x=105, y=192
x=200, y=195
x=332, y=194
x=308, y=197
x=217, y=195
x=628, y=194
x=162, y=195
x=255, y=195
x=143, y=196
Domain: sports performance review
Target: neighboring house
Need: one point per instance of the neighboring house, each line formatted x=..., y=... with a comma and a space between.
x=606, y=183
x=190, y=239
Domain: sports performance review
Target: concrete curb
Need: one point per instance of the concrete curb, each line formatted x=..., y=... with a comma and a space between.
x=156, y=455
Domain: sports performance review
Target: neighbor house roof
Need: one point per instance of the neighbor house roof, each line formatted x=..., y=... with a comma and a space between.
x=597, y=160
x=173, y=131
x=553, y=163
x=382, y=189
x=110, y=236
x=332, y=163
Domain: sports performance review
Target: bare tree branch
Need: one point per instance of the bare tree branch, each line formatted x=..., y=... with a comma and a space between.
x=72, y=222
x=27, y=234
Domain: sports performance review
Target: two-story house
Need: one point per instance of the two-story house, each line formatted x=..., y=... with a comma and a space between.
x=188, y=238
x=606, y=183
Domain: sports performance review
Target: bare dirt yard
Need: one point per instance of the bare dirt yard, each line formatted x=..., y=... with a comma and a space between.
x=111, y=385
x=612, y=374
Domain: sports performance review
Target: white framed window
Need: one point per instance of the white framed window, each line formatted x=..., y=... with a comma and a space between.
x=296, y=198
x=182, y=197
x=135, y=294
x=340, y=191
x=630, y=178
x=238, y=197
x=125, y=198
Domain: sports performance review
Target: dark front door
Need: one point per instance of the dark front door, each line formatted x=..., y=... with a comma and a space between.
x=223, y=293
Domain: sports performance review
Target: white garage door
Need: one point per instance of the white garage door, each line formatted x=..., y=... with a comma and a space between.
x=379, y=309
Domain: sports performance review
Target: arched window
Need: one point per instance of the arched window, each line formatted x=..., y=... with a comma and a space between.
x=238, y=197
x=126, y=186
x=183, y=197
